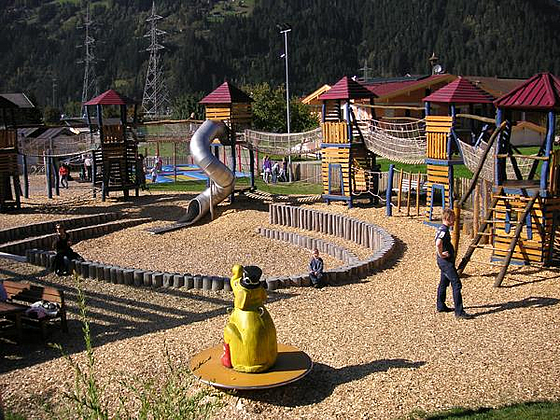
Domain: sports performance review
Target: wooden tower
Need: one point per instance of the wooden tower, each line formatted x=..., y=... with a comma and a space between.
x=442, y=135
x=525, y=212
x=537, y=241
x=9, y=171
x=117, y=158
x=232, y=106
x=347, y=165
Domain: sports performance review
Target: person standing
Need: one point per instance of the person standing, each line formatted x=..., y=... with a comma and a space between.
x=63, y=171
x=316, y=267
x=87, y=166
x=267, y=169
x=446, y=263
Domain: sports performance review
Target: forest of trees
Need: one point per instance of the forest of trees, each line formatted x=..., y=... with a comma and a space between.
x=209, y=41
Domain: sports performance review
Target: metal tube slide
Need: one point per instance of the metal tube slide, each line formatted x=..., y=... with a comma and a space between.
x=223, y=178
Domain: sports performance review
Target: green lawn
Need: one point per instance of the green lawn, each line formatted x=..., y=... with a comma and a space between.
x=525, y=411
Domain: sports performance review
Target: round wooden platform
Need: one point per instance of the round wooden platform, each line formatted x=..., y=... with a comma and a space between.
x=291, y=365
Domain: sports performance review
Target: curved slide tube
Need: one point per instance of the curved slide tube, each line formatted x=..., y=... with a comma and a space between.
x=223, y=178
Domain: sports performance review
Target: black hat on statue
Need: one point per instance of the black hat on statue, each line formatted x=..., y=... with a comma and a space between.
x=251, y=277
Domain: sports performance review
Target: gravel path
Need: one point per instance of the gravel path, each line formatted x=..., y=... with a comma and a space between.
x=380, y=349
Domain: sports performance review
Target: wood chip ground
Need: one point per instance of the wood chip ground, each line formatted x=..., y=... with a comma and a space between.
x=379, y=347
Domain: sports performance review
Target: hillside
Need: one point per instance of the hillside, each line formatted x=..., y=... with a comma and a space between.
x=208, y=41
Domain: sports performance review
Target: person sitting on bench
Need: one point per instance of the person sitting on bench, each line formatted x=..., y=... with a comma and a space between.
x=64, y=252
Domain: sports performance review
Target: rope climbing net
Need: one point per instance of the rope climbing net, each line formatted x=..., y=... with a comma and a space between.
x=401, y=142
x=169, y=130
x=284, y=144
x=473, y=154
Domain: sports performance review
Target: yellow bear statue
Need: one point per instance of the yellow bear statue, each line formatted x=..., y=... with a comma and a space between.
x=249, y=336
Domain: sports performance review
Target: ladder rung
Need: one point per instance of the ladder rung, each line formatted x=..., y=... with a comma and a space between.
x=506, y=197
x=484, y=247
x=486, y=263
x=511, y=222
x=502, y=210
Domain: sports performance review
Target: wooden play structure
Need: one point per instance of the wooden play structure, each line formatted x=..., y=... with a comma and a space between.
x=10, y=187
x=115, y=163
x=232, y=106
x=347, y=165
x=9, y=172
x=523, y=219
x=442, y=152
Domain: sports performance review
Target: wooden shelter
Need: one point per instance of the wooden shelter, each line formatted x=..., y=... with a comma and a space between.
x=347, y=165
x=117, y=159
x=441, y=135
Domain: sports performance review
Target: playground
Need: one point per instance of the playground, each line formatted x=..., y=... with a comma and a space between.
x=379, y=348
x=156, y=269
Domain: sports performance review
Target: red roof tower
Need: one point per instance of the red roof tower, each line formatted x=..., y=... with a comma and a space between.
x=226, y=93
x=460, y=91
x=346, y=88
x=540, y=93
x=110, y=97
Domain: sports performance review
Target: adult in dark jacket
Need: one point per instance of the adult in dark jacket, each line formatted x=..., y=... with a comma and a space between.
x=64, y=253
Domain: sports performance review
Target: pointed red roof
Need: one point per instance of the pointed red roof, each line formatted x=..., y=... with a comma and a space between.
x=226, y=93
x=460, y=91
x=346, y=88
x=110, y=97
x=540, y=92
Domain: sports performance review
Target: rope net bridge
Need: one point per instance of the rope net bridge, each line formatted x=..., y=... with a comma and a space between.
x=400, y=142
x=473, y=154
x=284, y=144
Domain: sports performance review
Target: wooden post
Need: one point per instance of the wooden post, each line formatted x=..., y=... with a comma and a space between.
x=175, y=161
x=47, y=163
x=56, y=178
x=252, y=168
x=476, y=211
x=389, y=192
x=399, y=193
x=418, y=194
x=25, y=177
x=408, y=194
x=93, y=172
x=456, y=226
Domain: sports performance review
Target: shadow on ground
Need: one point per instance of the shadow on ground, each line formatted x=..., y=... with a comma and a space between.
x=321, y=382
x=530, y=302
x=111, y=318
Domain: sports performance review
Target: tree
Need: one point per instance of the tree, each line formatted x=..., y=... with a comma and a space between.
x=51, y=115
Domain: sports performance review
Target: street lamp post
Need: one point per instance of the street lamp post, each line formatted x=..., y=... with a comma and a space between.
x=284, y=29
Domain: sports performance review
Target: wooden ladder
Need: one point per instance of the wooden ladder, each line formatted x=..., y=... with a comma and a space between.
x=489, y=220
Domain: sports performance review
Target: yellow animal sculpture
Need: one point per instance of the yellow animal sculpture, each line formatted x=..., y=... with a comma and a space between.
x=249, y=336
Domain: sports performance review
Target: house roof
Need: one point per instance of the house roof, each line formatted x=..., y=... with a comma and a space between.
x=226, y=93
x=386, y=90
x=540, y=93
x=495, y=86
x=315, y=95
x=110, y=97
x=460, y=91
x=346, y=88
x=15, y=100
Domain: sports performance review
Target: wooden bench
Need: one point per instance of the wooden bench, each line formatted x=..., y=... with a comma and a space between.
x=27, y=293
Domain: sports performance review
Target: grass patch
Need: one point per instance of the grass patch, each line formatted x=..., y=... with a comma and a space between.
x=525, y=411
